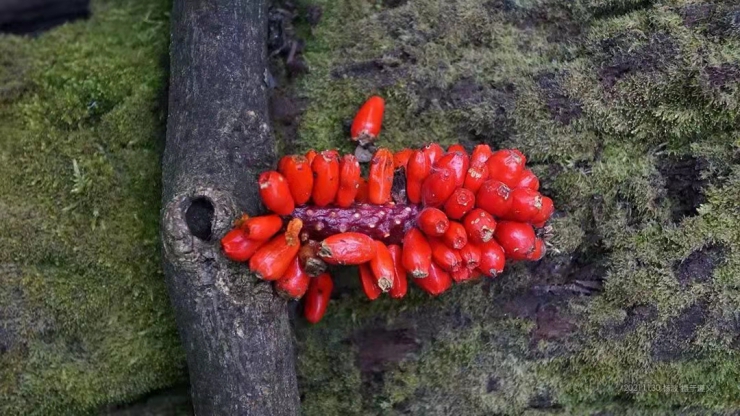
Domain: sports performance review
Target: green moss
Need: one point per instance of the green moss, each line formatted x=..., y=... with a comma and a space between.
x=81, y=127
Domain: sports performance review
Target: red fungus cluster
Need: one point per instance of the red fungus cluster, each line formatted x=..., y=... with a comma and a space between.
x=428, y=215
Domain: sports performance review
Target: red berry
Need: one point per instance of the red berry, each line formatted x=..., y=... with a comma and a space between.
x=263, y=227
x=495, y=198
x=294, y=283
x=462, y=274
x=368, y=282
x=433, y=152
x=436, y=283
x=457, y=163
x=545, y=212
x=444, y=256
x=317, y=298
x=479, y=226
x=417, y=254
x=459, y=203
x=238, y=247
x=401, y=158
x=368, y=120
x=455, y=237
x=506, y=166
x=528, y=180
x=470, y=255
x=325, y=169
x=525, y=204
x=272, y=259
x=347, y=248
x=433, y=222
x=417, y=169
x=481, y=153
x=380, y=179
x=310, y=156
x=298, y=174
x=539, y=250
x=456, y=148
x=361, y=196
x=476, y=176
x=492, y=259
x=400, y=285
x=382, y=266
x=275, y=193
x=349, y=180
x=437, y=188
x=516, y=238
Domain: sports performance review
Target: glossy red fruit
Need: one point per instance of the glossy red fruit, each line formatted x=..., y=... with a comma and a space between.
x=263, y=227
x=459, y=203
x=416, y=257
x=462, y=274
x=297, y=172
x=539, y=250
x=272, y=259
x=275, y=193
x=294, y=283
x=433, y=152
x=456, y=148
x=382, y=266
x=444, y=256
x=506, y=166
x=437, y=188
x=368, y=282
x=495, y=198
x=528, y=180
x=476, y=176
x=516, y=238
x=380, y=179
x=480, y=154
x=361, y=196
x=368, y=120
x=347, y=248
x=525, y=204
x=436, y=283
x=455, y=237
x=401, y=158
x=238, y=247
x=470, y=255
x=417, y=169
x=457, y=163
x=310, y=156
x=325, y=169
x=492, y=259
x=546, y=210
x=317, y=298
x=433, y=222
x=401, y=284
x=349, y=180
x=479, y=226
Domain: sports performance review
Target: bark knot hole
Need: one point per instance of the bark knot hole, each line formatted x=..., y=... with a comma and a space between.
x=199, y=217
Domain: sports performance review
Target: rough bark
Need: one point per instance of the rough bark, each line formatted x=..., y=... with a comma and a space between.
x=236, y=333
x=28, y=16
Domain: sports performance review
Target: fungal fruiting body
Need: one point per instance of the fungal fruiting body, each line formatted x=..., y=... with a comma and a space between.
x=430, y=216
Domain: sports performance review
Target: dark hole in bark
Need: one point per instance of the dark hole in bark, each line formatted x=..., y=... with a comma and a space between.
x=199, y=217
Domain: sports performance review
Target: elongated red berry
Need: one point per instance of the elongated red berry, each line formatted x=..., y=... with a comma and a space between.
x=433, y=152
x=317, y=298
x=382, y=266
x=492, y=259
x=480, y=154
x=347, y=248
x=506, y=166
x=369, y=282
x=401, y=158
x=525, y=204
x=516, y=238
x=368, y=120
x=433, y=222
x=545, y=212
x=417, y=254
x=417, y=170
x=275, y=193
x=437, y=188
x=349, y=180
x=294, y=283
x=238, y=247
x=263, y=227
x=400, y=285
x=272, y=259
x=479, y=226
x=456, y=148
x=462, y=274
x=528, y=180
x=470, y=255
x=310, y=156
x=455, y=237
x=361, y=196
x=539, y=250
x=457, y=163
x=325, y=169
x=476, y=176
x=459, y=203
x=297, y=172
x=495, y=198
x=444, y=256
x=380, y=178
x=436, y=283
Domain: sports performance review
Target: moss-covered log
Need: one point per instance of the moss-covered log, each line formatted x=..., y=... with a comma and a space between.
x=236, y=333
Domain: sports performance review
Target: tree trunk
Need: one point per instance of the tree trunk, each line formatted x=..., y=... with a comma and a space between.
x=236, y=333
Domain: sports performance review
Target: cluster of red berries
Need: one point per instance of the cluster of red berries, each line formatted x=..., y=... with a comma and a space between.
x=432, y=215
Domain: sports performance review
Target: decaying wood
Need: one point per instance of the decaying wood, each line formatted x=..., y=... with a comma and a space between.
x=235, y=332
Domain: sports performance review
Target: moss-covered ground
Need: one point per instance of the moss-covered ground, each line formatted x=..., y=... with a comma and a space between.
x=627, y=110
x=84, y=311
